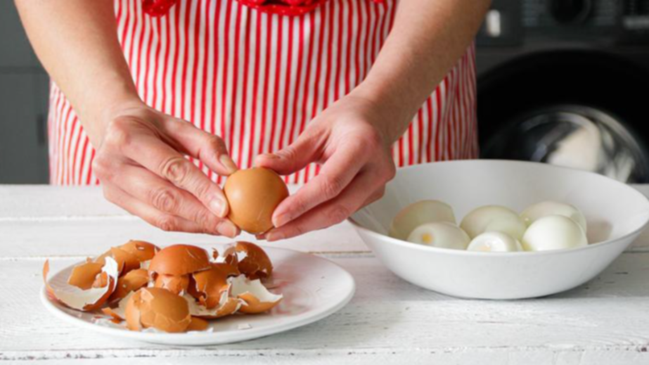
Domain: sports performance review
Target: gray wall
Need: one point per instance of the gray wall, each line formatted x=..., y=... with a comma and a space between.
x=23, y=105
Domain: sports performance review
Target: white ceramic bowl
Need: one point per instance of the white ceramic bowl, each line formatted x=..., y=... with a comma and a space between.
x=616, y=214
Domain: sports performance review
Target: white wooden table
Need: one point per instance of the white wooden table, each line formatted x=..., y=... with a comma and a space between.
x=389, y=321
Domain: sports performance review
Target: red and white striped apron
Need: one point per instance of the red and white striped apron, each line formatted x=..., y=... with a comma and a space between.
x=257, y=78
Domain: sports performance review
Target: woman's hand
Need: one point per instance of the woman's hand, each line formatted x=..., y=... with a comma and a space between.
x=351, y=140
x=142, y=167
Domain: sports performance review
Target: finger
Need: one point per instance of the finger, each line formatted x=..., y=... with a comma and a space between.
x=206, y=147
x=304, y=150
x=331, y=212
x=162, y=159
x=334, y=176
x=151, y=215
x=376, y=195
x=164, y=196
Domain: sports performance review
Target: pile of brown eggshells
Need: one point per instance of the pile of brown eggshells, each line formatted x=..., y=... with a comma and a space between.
x=175, y=289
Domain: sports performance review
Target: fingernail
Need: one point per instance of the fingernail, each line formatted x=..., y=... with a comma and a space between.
x=261, y=236
x=227, y=228
x=275, y=236
x=227, y=162
x=217, y=205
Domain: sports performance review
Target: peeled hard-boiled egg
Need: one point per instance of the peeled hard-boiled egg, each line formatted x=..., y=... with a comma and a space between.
x=440, y=234
x=493, y=218
x=554, y=232
x=494, y=242
x=546, y=208
x=416, y=214
x=253, y=195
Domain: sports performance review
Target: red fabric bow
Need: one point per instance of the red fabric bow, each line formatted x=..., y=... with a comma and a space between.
x=282, y=7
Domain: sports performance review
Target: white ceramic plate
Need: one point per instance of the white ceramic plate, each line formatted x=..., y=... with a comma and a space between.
x=313, y=288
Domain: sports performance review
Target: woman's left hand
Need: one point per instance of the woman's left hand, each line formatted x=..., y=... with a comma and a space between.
x=350, y=139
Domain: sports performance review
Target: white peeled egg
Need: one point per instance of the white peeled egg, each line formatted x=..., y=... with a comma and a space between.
x=416, y=214
x=554, y=232
x=546, y=208
x=494, y=242
x=440, y=234
x=493, y=218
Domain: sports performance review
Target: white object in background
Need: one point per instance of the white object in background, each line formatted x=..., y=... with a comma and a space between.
x=313, y=288
x=493, y=23
x=546, y=208
x=617, y=214
x=441, y=235
x=494, y=242
x=416, y=214
x=493, y=218
x=554, y=232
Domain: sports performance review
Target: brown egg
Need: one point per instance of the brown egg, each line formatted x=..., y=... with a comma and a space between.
x=157, y=308
x=253, y=195
x=179, y=260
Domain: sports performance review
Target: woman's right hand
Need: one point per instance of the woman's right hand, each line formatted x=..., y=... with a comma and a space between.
x=142, y=167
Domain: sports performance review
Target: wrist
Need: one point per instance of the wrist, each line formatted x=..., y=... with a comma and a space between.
x=96, y=120
x=392, y=116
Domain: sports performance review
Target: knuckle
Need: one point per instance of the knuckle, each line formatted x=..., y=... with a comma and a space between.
x=371, y=140
x=297, y=230
x=289, y=153
x=164, y=199
x=109, y=194
x=338, y=213
x=101, y=167
x=215, y=142
x=175, y=169
x=390, y=171
x=117, y=132
x=202, y=189
x=166, y=223
x=205, y=220
x=331, y=187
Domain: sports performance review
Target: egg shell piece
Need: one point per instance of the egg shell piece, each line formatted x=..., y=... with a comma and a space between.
x=210, y=284
x=83, y=275
x=440, y=235
x=494, y=242
x=180, y=260
x=554, y=232
x=142, y=250
x=115, y=318
x=256, y=297
x=416, y=214
x=253, y=261
x=227, y=306
x=157, y=308
x=79, y=299
x=546, y=208
x=198, y=324
x=490, y=218
x=130, y=282
x=252, y=195
x=176, y=284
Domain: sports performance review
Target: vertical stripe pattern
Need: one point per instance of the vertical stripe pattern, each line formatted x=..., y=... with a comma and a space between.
x=256, y=80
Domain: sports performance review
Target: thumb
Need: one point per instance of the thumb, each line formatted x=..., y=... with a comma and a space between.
x=292, y=158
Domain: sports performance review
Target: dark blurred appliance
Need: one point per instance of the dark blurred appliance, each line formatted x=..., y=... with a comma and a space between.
x=567, y=82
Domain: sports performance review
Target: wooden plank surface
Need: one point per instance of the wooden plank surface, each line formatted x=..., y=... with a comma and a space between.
x=605, y=321
x=387, y=317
